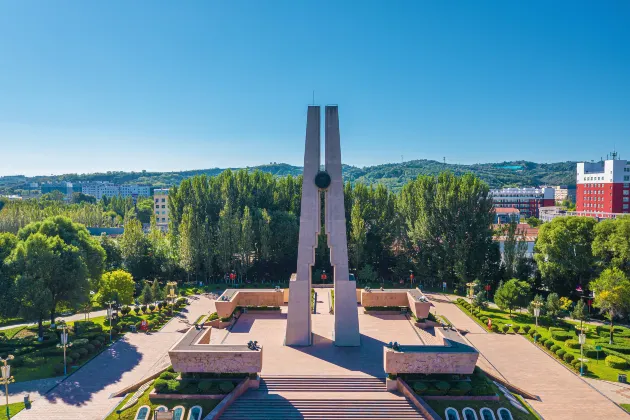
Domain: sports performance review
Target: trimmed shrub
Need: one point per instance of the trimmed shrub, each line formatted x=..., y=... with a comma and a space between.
x=616, y=362
x=590, y=352
x=542, y=340
x=73, y=354
x=516, y=328
x=226, y=387
x=568, y=357
x=505, y=329
x=526, y=328
x=204, y=387
x=125, y=310
x=82, y=352
x=560, y=352
x=80, y=342
x=555, y=348
x=549, y=344
x=143, y=308
x=572, y=344
x=151, y=307
x=96, y=343
x=90, y=348
x=495, y=328
x=620, y=348
x=161, y=385
x=562, y=335
x=59, y=368
x=420, y=387
x=168, y=375
x=173, y=386
x=460, y=388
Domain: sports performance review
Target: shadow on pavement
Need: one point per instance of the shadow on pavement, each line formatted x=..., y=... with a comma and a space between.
x=105, y=369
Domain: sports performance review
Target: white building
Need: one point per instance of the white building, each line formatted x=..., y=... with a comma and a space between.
x=160, y=207
x=107, y=189
x=526, y=200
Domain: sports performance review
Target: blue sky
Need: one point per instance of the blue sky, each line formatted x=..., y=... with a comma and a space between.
x=164, y=85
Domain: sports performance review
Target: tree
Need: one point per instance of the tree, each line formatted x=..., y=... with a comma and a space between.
x=611, y=244
x=514, y=249
x=580, y=312
x=147, y=295
x=553, y=306
x=480, y=300
x=612, y=295
x=156, y=292
x=78, y=198
x=113, y=255
x=136, y=250
x=533, y=221
x=188, y=242
x=8, y=302
x=117, y=285
x=367, y=274
x=246, y=242
x=563, y=253
x=78, y=261
x=50, y=271
x=357, y=235
x=509, y=295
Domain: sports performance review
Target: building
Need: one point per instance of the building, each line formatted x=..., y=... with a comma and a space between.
x=603, y=187
x=564, y=192
x=107, y=189
x=160, y=207
x=526, y=200
x=525, y=233
x=66, y=188
x=506, y=215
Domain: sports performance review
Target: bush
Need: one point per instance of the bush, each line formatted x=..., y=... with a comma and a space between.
x=505, y=329
x=495, y=328
x=213, y=316
x=516, y=328
x=620, y=348
x=161, y=385
x=168, y=375
x=204, y=387
x=555, y=348
x=90, y=348
x=572, y=344
x=616, y=362
x=151, y=307
x=562, y=335
x=82, y=352
x=549, y=344
x=74, y=355
x=568, y=357
x=173, y=386
x=560, y=353
x=226, y=387
x=58, y=369
x=590, y=352
x=526, y=328
x=125, y=310
x=96, y=343
x=420, y=387
x=80, y=342
x=460, y=388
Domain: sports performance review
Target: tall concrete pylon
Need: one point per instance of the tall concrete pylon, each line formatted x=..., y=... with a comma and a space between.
x=346, y=327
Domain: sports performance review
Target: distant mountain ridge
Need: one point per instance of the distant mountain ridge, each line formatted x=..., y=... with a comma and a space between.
x=392, y=175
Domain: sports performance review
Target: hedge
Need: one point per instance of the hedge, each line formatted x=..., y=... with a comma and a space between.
x=505, y=328
x=226, y=387
x=560, y=353
x=204, y=387
x=562, y=335
x=460, y=388
x=420, y=387
x=555, y=348
x=568, y=357
x=168, y=375
x=572, y=344
x=621, y=348
x=616, y=362
x=526, y=328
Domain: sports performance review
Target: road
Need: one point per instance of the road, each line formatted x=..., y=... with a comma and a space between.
x=75, y=317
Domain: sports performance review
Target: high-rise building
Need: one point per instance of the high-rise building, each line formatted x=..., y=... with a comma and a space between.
x=564, y=192
x=160, y=207
x=526, y=200
x=603, y=186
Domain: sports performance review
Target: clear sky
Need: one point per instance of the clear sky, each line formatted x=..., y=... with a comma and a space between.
x=163, y=85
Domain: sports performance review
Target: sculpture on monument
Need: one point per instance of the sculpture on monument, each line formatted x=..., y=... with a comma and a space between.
x=346, y=327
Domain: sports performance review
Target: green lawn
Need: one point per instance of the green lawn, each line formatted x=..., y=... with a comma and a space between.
x=596, y=368
x=13, y=410
x=625, y=407
x=129, y=414
x=10, y=321
x=10, y=332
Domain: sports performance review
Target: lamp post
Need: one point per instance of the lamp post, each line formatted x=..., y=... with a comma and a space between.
x=110, y=316
x=582, y=341
x=536, y=305
x=171, y=294
x=471, y=290
x=6, y=379
x=64, y=345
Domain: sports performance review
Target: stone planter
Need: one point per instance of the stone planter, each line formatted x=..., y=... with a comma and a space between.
x=391, y=385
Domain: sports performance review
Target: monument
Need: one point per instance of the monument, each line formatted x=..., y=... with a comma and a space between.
x=346, y=325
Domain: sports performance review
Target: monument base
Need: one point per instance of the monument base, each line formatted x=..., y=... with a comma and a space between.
x=346, y=332
x=299, y=314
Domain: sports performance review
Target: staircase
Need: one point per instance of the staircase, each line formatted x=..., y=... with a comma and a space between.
x=322, y=398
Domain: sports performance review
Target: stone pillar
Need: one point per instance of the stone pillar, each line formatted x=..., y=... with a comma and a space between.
x=346, y=332
x=299, y=329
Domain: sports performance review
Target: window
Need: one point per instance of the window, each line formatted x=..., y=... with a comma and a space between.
x=625, y=206
x=163, y=200
x=626, y=178
x=626, y=192
x=626, y=199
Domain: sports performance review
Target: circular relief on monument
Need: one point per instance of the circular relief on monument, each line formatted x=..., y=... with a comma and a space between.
x=322, y=180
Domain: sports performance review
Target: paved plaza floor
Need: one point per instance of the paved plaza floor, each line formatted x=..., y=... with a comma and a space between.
x=563, y=395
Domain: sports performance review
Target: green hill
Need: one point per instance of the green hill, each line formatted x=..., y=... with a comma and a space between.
x=393, y=175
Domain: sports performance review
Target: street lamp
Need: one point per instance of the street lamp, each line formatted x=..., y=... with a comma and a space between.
x=171, y=294
x=65, y=345
x=536, y=304
x=582, y=341
x=471, y=290
x=6, y=379
x=110, y=316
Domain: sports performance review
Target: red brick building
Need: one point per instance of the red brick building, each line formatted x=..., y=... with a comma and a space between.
x=526, y=200
x=603, y=187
